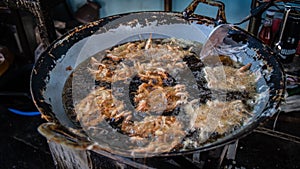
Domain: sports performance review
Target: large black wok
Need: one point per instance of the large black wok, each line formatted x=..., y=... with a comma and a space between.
x=59, y=60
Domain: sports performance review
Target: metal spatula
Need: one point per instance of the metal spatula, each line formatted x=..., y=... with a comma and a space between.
x=215, y=38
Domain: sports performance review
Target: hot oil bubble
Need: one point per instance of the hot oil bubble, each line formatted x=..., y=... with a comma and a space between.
x=263, y=88
x=271, y=85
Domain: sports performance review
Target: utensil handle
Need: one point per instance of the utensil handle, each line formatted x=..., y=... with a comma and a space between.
x=220, y=18
x=64, y=136
x=287, y=11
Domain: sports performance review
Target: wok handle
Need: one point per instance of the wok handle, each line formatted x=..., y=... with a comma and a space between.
x=64, y=136
x=220, y=18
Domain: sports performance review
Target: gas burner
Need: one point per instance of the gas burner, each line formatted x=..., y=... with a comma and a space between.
x=68, y=158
